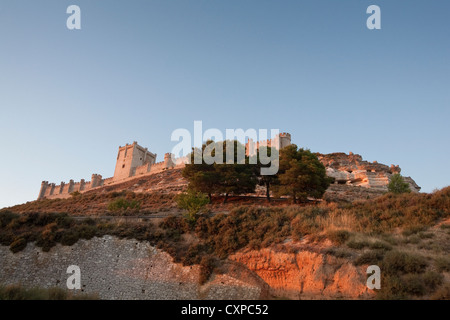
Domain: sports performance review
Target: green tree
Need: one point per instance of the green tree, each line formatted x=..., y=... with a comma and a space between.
x=266, y=180
x=221, y=177
x=201, y=177
x=192, y=201
x=238, y=177
x=301, y=174
x=397, y=185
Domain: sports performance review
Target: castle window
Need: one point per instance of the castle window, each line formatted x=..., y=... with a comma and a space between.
x=123, y=166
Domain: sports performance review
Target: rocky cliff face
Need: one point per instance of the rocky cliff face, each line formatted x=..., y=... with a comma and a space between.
x=123, y=269
x=128, y=269
x=351, y=169
x=307, y=274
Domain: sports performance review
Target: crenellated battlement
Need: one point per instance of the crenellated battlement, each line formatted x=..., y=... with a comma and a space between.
x=280, y=141
x=134, y=160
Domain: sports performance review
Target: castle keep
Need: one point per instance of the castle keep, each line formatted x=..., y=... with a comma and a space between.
x=134, y=161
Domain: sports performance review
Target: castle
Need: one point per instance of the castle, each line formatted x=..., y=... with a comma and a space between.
x=134, y=160
x=279, y=142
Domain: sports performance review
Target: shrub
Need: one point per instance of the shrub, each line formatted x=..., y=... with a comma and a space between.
x=192, y=201
x=412, y=239
x=64, y=220
x=369, y=257
x=443, y=293
x=338, y=253
x=6, y=217
x=390, y=239
x=392, y=288
x=413, y=230
x=413, y=284
x=69, y=238
x=380, y=245
x=397, y=185
x=75, y=194
x=357, y=244
x=442, y=264
x=17, y=292
x=425, y=235
x=396, y=262
x=86, y=231
x=46, y=238
x=207, y=265
x=57, y=294
x=396, y=286
x=338, y=236
x=122, y=204
x=175, y=223
x=6, y=238
x=432, y=279
x=18, y=245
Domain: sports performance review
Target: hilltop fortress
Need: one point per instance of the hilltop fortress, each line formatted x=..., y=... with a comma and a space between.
x=132, y=161
x=135, y=161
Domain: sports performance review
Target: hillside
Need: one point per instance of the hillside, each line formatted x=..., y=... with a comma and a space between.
x=156, y=192
x=407, y=235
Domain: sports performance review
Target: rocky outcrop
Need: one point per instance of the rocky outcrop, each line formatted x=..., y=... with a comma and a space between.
x=123, y=269
x=306, y=274
x=128, y=269
x=349, y=193
x=351, y=169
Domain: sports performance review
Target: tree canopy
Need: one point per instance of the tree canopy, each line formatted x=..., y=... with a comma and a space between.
x=397, y=185
x=301, y=174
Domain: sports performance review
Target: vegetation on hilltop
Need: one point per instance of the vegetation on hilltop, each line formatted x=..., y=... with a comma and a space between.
x=300, y=175
x=397, y=185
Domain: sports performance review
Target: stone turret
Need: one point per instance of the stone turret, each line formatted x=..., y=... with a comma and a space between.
x=168, y=161
x=44, y=186
x=96, y=180
x=285, y=139
x=280, y=141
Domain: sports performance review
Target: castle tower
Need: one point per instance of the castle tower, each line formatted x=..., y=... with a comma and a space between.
x=168, y=161
x=96, y=180
x=44, y=186
x=129, y=158
x=285, y=139
x=280, y=141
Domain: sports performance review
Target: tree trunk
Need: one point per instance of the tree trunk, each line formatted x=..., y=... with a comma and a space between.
x=226, y=198
x=268, y=191
x=210, y=197
x=294, y=198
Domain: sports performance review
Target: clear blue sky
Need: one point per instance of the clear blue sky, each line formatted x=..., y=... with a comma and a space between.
x=137, y=70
